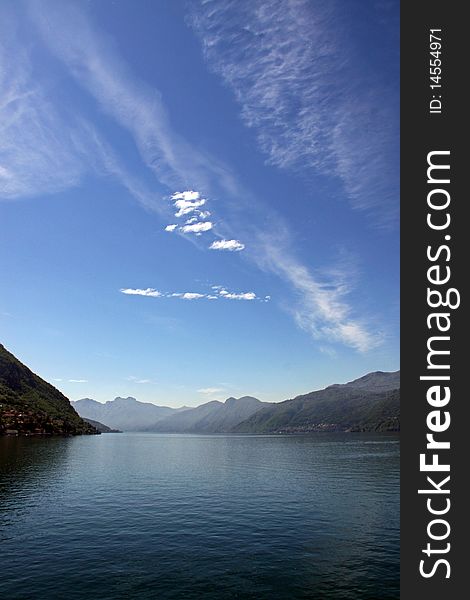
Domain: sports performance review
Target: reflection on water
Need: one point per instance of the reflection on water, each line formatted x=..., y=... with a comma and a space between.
x=148, y=516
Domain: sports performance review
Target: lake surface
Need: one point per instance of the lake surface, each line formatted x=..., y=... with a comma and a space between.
x=149, y=516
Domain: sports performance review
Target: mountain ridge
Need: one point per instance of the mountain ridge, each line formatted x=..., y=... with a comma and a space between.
x=369, y=403
x=126, y=414
x=211, y=417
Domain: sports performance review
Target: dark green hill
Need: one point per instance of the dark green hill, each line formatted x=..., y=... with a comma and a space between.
x=30, y=405
x=101, y=427
x=371, y=403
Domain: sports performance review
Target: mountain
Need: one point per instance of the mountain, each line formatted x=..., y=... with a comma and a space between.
x=126, y=414
x=211, y=417
x=28, y=404
x=100, y=427
x=370, y=403
x=378, y=381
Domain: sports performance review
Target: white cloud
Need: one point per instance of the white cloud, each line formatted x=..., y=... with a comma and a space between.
x=170, y=227
x=221, y=292
x=187, y=196
x=189, y=202
x=240, y=296
x=139, y=292
x=185, y=206
x=209, y=391
x=78, y=380
x=197, y=227
x=231, y=245
x=191, y=296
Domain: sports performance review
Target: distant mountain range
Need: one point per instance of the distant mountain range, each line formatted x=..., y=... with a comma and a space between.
x=370, y=403
x=127, y=414
x=211, y=417
x=30, y=405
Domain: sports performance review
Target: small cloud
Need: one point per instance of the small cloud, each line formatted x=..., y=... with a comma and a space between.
x=137, y=380
x=78, y=380
x=189, y=195
x=329, y=351
x=57, y=379
x=197, y=227
x=231, y=245
x=186, y=295
x=191, y=220
x=192, y=296
x=187, y=202
x=138, y=292
x=170, y=227
x=184, y=208
x=242, y=296
x=209, y=391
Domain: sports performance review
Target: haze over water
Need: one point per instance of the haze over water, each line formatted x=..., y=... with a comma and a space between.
x=149, y=516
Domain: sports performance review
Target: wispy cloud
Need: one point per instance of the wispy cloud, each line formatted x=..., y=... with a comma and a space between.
x=305, y=91
x=45, y=145
x=213, y=393
x=138, y=380
x=231, y=245
x=78, y=380
x=40, y=150
x=321, y=309
x=210, y=391
x=91, y=59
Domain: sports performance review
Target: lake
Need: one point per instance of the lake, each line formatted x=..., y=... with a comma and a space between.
x=209, y=517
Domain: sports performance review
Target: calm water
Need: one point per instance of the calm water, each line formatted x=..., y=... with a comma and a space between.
x=148, y=516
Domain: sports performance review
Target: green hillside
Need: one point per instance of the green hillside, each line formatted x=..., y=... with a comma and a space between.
x=367, y=404
x=30, y=405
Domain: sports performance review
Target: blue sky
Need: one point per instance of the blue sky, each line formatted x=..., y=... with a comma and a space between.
x=199, y=199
